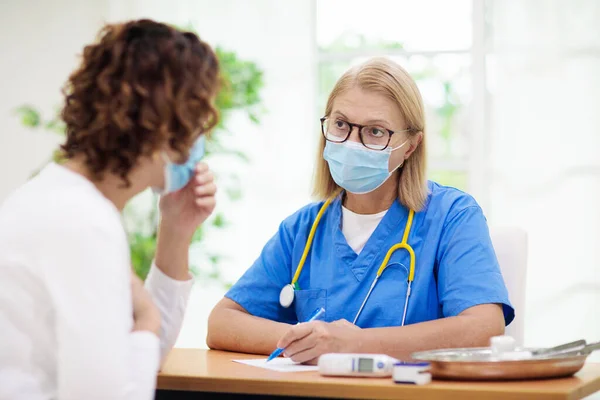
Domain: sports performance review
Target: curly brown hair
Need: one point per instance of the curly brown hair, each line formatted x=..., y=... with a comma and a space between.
x=141, y=86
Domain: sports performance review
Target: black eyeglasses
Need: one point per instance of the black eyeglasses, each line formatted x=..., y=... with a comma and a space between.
x=373, y=137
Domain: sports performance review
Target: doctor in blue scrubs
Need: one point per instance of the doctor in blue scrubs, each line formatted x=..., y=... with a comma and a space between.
x=399, y=263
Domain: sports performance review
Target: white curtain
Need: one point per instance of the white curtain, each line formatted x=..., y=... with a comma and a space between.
x=543, y=70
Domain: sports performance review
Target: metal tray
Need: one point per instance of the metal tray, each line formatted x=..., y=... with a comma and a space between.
x=482, y=364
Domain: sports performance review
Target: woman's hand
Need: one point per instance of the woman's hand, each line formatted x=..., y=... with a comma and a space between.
x=183, y=211
x=306, y=342
x=181, y=214
x=146, y=316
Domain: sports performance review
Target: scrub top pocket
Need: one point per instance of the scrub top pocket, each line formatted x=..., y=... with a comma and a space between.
x=307, y=301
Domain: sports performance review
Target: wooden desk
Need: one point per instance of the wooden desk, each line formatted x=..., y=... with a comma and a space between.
x=213, y=371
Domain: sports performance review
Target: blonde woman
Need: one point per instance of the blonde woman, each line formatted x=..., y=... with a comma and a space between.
x=399, y=263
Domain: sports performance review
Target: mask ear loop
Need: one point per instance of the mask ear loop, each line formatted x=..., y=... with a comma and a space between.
x=165, y=157
x=166, y=173
x=157, y=193
x=396, y=148
x=401, y=164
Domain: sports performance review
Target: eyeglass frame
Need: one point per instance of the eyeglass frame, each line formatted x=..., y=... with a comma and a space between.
x=360, y=135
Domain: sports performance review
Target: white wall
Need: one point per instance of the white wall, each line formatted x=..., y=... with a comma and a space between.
x=545, y=85
x=39, y=41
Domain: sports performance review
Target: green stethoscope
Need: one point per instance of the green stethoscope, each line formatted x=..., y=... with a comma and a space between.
x=286, y=296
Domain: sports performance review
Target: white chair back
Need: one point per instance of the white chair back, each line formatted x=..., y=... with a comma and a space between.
x=510, y=244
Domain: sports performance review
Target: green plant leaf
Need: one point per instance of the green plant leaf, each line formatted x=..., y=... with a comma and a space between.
x=58, y=156
x=253, y=117
x=194, y=271
x=214, y=259
x=55, y=125
x=234, y=194
x=30, y=117
x=198, y=235
x=219, y=221
x=142, y=252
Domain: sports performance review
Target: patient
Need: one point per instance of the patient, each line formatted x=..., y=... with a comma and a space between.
x=75, y=322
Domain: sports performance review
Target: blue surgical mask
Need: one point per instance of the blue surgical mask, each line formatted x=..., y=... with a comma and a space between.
x=178, y=175
x=357, y=169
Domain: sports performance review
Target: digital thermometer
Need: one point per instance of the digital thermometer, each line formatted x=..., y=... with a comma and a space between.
x=366, y=365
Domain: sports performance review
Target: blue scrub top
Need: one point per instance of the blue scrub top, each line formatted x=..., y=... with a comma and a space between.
x=456, y=267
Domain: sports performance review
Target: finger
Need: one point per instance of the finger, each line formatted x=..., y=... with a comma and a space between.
x=204, y=178
x=307, y=355
x=206, y=202
x=301, y=345
x=208, y=189
x=297, y=332
x=201, y=168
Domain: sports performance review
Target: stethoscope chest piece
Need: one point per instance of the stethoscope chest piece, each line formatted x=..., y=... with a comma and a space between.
x=286, y=296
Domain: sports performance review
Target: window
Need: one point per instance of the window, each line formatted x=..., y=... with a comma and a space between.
x=433, y=40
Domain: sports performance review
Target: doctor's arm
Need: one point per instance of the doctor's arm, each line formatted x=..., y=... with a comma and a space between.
x=471, y=328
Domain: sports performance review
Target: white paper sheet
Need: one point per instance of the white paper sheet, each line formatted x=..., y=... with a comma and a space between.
x=278, y=364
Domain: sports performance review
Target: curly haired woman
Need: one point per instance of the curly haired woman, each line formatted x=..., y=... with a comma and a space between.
x=76, y=323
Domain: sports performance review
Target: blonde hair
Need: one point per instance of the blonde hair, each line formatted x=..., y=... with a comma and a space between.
x=390, y=79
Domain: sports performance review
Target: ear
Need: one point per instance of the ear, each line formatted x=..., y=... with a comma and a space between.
x=415, y=141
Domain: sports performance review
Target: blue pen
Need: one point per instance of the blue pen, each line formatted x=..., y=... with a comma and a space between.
x=318, y=312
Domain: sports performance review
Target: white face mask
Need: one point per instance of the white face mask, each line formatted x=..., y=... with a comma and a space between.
x=357, y=169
